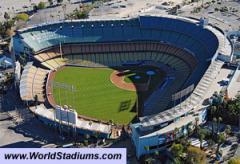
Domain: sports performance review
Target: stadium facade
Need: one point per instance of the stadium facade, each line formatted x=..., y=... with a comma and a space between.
x=191, y=52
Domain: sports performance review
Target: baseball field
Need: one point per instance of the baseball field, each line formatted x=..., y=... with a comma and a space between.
x=91, y=93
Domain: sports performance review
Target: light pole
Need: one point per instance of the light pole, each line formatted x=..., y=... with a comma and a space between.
x=72, y=27
x=150, y=74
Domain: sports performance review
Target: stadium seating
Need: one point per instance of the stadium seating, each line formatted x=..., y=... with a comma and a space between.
x=55, y=63
x=178, y=43
x=181, y=33
x=32, y=83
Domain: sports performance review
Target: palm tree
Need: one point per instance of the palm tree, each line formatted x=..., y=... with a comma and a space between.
x=228, y=130
x=59, y=1
x=176, y=130
x=6, y=16
x=177, y=150
x=87, y=136
x=210, y=143
x=189, y=130
x=213, y=110
x=213, y=123
x=196, y=126
x=35, y=100
x=217, y=100
x=150, y=160
x=156, y=153
x=147, y=148
x=201, y=136
x=234, y=107
x=220, y=139
x=218, y=123
x=85, y=142
x=50, y=2
x=96, y=135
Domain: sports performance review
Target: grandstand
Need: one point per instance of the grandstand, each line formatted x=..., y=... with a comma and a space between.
x=33, y=83
x=190, y=52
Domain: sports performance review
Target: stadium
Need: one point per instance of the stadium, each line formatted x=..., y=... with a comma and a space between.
x=149, y=72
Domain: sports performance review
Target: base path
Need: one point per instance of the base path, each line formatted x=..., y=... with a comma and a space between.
x=120, y=83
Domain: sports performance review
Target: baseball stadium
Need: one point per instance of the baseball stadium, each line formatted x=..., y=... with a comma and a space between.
x=150, y=73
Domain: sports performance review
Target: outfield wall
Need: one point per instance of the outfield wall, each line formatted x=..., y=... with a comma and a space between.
x=47, y=116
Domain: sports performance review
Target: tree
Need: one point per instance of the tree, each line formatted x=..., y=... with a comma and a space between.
x=201, y=136
x=87, y=136
x=6, y=28
x=85, y=142
x=213, y=110
x=35, y=100
x=177, y=150
x=214, y=121
x=59, y=1
x=228, y=130
x=147, y=148
x=96, y=135
x=150, y=160
x=156, y=153
x=50, y=2
x=189, y=129
x=22, y=16
x=80, y=13
x=6, y=16
x=220, y=140
x=195, y=155
x=9, y=32
x=185, y=142
x=41, y=5
x=218, y=123
x=196, y=126
x=176, y=130
x=234, y=160
x=210, y=143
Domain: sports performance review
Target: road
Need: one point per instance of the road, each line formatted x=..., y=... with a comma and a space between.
x=19, y=128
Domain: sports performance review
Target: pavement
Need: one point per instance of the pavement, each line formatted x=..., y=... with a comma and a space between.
x=127, y=8
x=14, y=6
x=226, y=20
x=17, y=6
x=19, y=127
x=228, y=150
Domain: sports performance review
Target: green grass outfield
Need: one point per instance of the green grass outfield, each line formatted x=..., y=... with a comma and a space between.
x=95, y=96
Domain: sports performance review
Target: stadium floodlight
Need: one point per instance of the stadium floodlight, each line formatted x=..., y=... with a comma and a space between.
x=60, y=49
x=150, y=74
